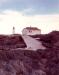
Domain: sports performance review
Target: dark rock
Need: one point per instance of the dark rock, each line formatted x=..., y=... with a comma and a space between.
x=29, y=62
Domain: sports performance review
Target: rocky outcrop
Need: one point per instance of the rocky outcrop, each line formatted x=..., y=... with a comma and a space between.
x=23, y=62
x=29, y=62
x=11, y=42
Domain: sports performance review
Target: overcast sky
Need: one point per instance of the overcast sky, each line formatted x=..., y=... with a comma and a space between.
x=43, y=14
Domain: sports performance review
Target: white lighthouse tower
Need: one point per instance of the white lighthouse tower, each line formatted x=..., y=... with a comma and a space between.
x=13, y=30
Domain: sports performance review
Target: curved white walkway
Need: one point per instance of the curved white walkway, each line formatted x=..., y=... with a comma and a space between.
x=32, y=43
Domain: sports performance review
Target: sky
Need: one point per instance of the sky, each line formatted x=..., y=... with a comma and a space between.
x=43, y=14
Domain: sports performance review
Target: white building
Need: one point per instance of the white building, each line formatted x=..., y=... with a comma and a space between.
x=31, y=31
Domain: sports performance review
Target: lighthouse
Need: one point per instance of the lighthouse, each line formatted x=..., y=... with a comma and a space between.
x=13, y=30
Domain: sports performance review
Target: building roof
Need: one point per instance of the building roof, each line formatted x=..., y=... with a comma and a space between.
x=32, y=28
